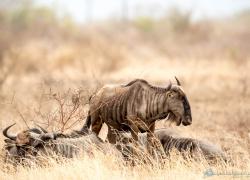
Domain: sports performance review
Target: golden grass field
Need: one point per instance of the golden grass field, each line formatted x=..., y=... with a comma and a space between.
x=216, y=83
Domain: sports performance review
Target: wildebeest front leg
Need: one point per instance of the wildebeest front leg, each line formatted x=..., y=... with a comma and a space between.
x=153, y=144
x=150, y=139
x=133, y=128
x=134, y=132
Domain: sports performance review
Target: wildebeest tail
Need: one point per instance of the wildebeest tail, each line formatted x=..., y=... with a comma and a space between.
x=87, y=124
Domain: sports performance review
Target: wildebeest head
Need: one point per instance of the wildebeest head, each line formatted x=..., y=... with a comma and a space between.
x=26, y=142
x=178, y=105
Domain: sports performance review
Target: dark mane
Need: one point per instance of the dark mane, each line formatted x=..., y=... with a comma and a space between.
x=158, y=89
x=136, y=80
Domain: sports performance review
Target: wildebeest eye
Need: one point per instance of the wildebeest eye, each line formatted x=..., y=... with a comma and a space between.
x=170, y=95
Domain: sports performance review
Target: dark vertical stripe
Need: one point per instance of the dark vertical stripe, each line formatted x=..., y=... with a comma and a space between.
x=139, y=101
x=164, y=101
x=114, y=107
x=148, y=98
x=157, y=103
x=153, y=108
x=122, y=105
x=125, y=105
x=133, y=97
x=110, y=109
x=106, y=112
x=150, y=104
x=161, y=102
x=118, y=109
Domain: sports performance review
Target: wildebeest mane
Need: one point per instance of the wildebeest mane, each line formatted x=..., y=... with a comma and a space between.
x=157, y=89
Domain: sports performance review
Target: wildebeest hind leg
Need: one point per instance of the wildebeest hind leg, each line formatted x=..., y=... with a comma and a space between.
x=96, y=124
x=112, y=135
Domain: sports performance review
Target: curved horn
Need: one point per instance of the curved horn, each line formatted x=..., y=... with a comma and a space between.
x=44, y=131
x=5, y=133
x=169, y=86
x=177, y=80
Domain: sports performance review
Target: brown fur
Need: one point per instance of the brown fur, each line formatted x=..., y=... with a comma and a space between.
x=135, y=107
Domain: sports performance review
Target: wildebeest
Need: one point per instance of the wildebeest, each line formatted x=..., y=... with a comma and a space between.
x=136, y=107
x=171, y=140
x=37, y=141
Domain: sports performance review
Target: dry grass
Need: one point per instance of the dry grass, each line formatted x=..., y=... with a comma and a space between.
x=109, y=168
x=217, y=86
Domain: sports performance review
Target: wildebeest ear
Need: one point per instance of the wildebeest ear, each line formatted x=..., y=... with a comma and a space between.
x=35, y=130
x=23, y=138
x=44, y=130
x=9, y=141
x=42, y=138
x=48, y=136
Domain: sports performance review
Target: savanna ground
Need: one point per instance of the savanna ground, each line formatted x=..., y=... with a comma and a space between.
x=46, y=60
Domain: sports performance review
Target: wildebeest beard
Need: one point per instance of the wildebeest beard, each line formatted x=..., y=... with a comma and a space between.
x=169, y=115
x=187, y=111
x=162, y=116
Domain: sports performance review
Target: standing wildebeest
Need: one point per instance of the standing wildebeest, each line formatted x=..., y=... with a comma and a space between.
x=33, y=142
x=135, y=107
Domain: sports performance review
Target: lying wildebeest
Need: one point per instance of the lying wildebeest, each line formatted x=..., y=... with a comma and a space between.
x=136, y=107
x=170, y=140
x=37, y=141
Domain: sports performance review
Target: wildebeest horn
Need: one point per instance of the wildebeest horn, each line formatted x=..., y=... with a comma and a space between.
x=44, y=131
x=169, y=86
x=5, y=133
x=177, y=80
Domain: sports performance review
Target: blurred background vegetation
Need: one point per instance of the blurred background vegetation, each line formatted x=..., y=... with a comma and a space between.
x=41, y=44
x=173, y=34
x=37, y=39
